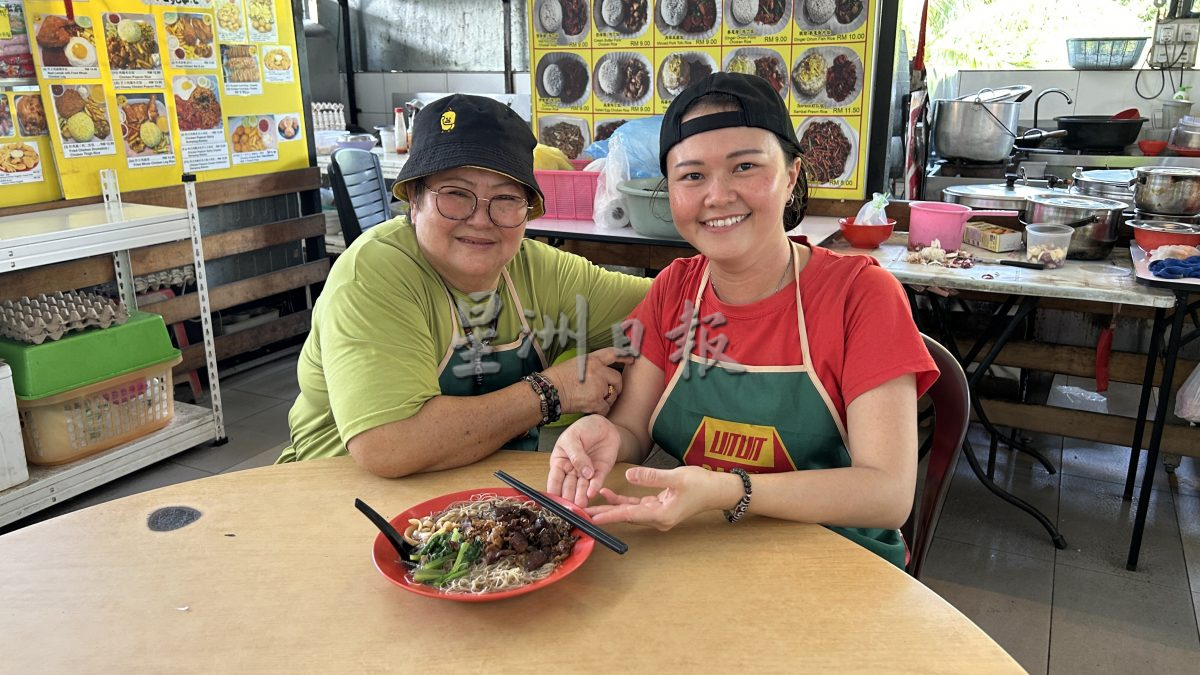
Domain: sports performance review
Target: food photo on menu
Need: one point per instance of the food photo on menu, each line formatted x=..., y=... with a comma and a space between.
x=240, y=63
x=31, y=115
x=82, y=114
x=197, y=104
x=622, y=78
x=277, y=60
x=565, y=132
x=829, y=150
x=567, y=18
x=605, y=128
x=768, y=16
x=289, y=127
x=131, y=42
x=837, y=16
x=688, y=18
x=67, y=43
x=231, y=22
x=262, y=16
x=18, y=158
x=563, y=76
x=627, y=17
x=190, y=39
x=252, y=134
x=831, y=77
x=680, y=69
x=16, y=56
x=6, y=120
x=144, y=124
x=764, y=62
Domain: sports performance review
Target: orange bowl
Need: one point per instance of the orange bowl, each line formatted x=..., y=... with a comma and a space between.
x=1151, y=148
x=866, y=236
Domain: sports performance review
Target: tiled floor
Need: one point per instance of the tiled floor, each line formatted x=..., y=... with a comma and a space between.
x=1057, y=612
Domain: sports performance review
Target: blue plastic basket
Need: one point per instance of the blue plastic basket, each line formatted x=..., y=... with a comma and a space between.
x=1104, y=53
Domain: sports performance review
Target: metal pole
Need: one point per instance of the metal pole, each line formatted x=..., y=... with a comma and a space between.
x=509, y=88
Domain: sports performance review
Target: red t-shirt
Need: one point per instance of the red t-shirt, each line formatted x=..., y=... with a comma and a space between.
x=860, y=328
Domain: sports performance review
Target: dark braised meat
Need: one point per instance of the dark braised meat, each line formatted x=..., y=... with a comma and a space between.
x=825, y=149
x=522, y=534
x=574, y=16
x=575, y=80
x=848, y=10
x=566, y=137
x=635, y=16
x=636, y=79
x=840, y=78
x=701, y=15
x=768, y=68
x=606, y=129
x=69, y=103
x=770, y=11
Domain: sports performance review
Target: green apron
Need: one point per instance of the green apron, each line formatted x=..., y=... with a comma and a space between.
x=502, y=364
x=766, y=419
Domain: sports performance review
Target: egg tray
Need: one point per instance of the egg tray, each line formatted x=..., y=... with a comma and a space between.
x=50, y=317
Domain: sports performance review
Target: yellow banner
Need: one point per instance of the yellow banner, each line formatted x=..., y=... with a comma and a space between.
x=154, y=91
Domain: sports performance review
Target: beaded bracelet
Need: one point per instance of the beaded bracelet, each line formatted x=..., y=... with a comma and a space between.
x=739, y=509
x=547, y=393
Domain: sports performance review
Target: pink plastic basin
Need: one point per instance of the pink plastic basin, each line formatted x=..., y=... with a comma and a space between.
x=942, y=221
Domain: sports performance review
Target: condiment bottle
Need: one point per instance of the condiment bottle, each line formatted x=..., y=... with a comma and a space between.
x=401, y=131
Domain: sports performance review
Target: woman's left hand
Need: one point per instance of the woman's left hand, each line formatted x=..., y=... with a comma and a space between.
x=687, y=490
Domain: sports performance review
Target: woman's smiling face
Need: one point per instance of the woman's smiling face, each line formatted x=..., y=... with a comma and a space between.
x=728, y=188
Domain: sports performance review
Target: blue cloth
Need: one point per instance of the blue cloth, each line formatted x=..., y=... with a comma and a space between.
x=1188, y=268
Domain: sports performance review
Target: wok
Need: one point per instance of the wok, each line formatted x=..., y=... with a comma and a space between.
x=1099, y=132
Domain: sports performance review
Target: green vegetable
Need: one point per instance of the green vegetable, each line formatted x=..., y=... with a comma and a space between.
x=443, y=563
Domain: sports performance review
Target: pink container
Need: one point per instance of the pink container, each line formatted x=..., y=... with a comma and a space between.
x=942, y=221
x=569, y=194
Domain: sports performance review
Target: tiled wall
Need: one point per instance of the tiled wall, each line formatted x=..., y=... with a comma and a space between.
x=374, y=90
x=1094, y=92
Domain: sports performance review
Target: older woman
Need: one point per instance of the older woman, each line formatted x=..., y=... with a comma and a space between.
x=761, y=356
x=432, y=339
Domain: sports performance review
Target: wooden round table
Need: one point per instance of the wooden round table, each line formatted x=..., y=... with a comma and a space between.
x=276, y=575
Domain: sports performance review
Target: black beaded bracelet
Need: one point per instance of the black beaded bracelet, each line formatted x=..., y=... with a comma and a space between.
x=547, y=393
x=739, y=509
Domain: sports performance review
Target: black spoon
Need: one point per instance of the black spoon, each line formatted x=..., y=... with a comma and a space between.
x=402, y=547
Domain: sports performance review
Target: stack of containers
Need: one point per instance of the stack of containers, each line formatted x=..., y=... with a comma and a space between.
x=1166, y=202
x=93, y=390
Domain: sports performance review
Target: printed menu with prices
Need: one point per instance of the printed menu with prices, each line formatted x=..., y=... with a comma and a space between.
x=151, y=89
x=596, y=64
x=26, y=162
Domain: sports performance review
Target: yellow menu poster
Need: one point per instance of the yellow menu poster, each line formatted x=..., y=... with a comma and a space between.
x=157, y=89
x=598, y=63
x=27, y=174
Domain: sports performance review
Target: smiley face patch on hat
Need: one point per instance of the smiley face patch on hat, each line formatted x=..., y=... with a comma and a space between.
x=447, y=121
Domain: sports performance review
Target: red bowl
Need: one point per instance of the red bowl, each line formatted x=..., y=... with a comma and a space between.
x=1150, y=234
x=1152, y=148
x=865, y=236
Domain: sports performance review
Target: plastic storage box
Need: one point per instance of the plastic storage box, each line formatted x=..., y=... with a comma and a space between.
x=13, y=470
x=94, y=390
x=569, y=194
x=1104, y=53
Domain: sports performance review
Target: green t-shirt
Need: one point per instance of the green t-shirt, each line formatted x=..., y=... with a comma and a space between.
x=382, y=326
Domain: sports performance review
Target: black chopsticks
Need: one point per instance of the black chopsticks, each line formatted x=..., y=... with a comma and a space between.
x=566, y=514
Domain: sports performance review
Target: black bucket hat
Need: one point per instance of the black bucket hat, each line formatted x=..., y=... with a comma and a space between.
x=471, y=131
x=761, y=108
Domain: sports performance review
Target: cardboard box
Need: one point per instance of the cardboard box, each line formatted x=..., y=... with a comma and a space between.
x=992, y=237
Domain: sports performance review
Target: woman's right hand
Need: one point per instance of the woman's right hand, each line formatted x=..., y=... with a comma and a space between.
x=597, y=390
x=582, y=457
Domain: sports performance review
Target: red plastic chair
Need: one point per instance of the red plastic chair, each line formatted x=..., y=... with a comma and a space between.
x=952, y=414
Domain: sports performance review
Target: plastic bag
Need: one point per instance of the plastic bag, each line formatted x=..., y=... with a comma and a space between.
x=597, y=150
x=1187, y=400
x=632, y=153
x=873, y=212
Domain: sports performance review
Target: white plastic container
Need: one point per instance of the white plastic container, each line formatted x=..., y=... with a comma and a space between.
x=13, y=469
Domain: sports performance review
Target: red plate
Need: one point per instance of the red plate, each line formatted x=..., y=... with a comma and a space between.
x=387, y=562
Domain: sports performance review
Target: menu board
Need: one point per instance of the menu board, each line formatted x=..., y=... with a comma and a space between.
x=161, y=88
x=27, y=174
x=598, y=63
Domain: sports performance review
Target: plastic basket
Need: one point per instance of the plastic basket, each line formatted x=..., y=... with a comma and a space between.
x=81, y=422
x=1104, y=53
x=569, y=194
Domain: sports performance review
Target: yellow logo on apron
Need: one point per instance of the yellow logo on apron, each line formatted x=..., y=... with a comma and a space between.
x=721, y=445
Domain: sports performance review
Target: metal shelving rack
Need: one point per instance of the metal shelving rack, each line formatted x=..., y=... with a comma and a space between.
x=75, y=232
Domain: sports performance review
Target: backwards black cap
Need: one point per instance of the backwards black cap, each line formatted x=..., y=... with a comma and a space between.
x=461, y=130
x=761, y=108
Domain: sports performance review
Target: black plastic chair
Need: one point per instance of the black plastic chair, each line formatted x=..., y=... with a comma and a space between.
x=951, y=401
x=359, y=191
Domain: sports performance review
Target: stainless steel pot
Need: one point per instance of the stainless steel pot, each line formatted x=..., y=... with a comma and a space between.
x=975, y=130
x=1091, y=241
x=1106, y=183
x=1009, y=197
x=1172, y=190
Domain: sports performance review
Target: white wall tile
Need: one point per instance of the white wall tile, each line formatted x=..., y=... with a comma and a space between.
x=428, y=82
x=368, y=89
x=476, y=83
x=394, y=83
x=371, y=120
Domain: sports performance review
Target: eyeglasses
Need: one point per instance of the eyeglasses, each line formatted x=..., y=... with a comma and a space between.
x=458, y=203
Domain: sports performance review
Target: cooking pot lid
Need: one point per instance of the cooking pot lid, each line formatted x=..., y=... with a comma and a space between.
x=1077, y=202
x=1015, y=92
x=1167, y=170
x=1107, y=177
x=1164, y=226
x=996, y=191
